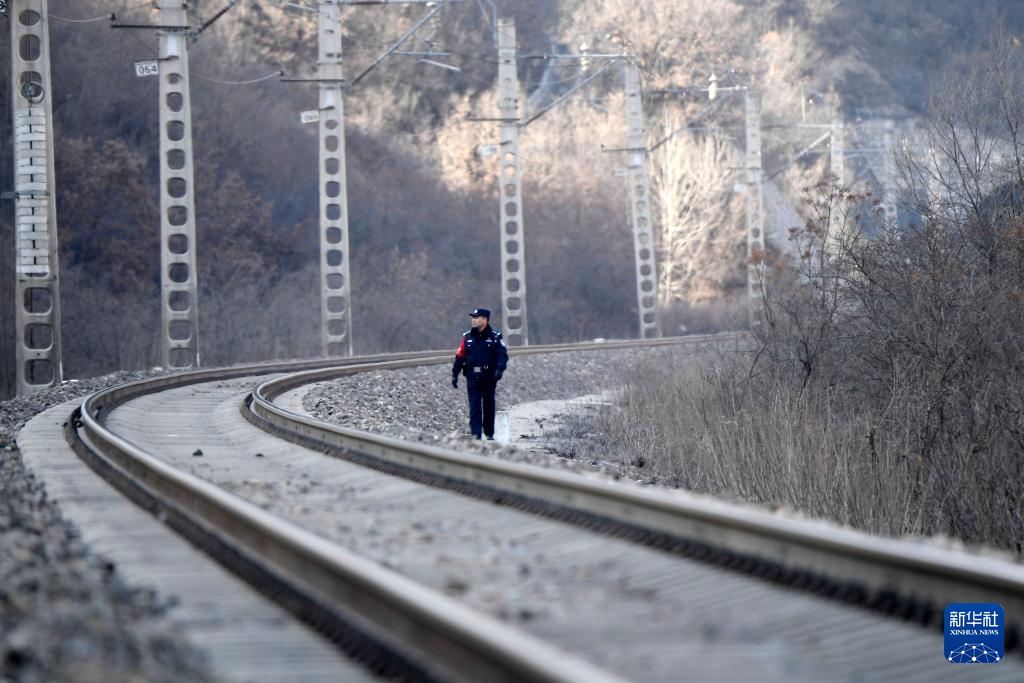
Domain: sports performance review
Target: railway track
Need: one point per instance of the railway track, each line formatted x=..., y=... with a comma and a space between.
x=620, y=577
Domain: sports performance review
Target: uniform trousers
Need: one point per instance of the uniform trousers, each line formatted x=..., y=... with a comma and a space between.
x=481, y=405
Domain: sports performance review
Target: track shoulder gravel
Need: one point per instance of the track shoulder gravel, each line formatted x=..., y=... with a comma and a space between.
x=68, y=613
x=633, y=610
x=419, y=404
x=245, y=637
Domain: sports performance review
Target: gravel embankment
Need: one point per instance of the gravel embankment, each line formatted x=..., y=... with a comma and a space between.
x=420, y=404
x=65, y=613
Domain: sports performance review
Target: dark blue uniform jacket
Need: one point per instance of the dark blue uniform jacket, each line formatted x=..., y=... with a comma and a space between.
x=481, y=355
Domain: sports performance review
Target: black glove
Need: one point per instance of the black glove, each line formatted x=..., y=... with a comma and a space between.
x=497, y=377
x=455, y=381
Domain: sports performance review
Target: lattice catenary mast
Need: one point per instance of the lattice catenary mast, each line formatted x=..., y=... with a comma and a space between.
x=640, y=199
x=837, y=152
x=335, y=298
x=837, y=167
x=513, y=262
x=889, y=209
x=37, y=304
x=755, y=195
x=178, y=276
x=335, y=283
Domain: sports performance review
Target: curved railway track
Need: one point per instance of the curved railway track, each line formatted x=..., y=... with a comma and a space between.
x=638, y=583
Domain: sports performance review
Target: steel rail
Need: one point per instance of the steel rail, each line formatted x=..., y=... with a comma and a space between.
x=435, y=636
x=915, y=579
x=324, y=372
x=110, y=398
x=446, y=638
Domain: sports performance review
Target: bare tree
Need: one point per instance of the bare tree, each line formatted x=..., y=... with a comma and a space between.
x=916, y=332
x=690, y=182
x=672, y=39
x=966, y=167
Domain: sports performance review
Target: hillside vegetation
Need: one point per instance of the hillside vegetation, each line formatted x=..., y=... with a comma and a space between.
x=883, y=387
x=423, y=199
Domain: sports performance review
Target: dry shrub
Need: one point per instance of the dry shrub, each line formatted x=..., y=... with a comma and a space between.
x=710, y=426
x=706, y=425
x=883, y=389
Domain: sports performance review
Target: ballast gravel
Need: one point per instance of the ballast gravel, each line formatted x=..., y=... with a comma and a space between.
x=419, y=404
x=65, y=613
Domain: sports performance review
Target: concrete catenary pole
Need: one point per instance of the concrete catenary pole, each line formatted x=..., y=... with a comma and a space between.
x=37, y=266
x=755, y=196
x=335, y=284
x=513, y=255
x=178, y=276
x=889, y=172
x=837, y=153
x=640, y=198
x=837, y=167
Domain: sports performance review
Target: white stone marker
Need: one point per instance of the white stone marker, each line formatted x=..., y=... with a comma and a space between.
x=501, y=430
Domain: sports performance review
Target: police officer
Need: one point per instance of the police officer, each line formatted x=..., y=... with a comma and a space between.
x=482, y=358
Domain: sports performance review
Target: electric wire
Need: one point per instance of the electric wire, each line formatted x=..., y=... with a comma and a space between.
x=137, y=5
x=367, y=42
x=109, y=16
x=275, y=74
x=413, y=133
x=574, y=77
x=140, y=41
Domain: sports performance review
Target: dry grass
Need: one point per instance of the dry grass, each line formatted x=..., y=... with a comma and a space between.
x=707, y=426
x=883, y=384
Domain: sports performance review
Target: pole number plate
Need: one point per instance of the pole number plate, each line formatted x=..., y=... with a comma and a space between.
x=311, y=116
x=3, y=6
x=144, y=68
